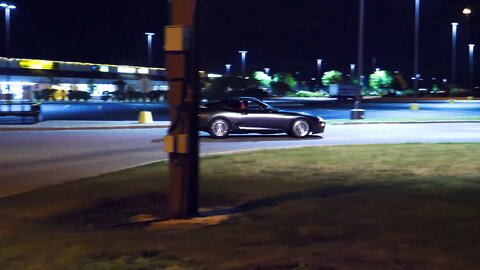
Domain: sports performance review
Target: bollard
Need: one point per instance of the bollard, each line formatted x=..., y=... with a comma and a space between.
x=145, y=117
x=357, y=113
x=414, y=107
x=452, y=101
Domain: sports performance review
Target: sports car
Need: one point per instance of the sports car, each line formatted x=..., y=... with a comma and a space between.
x=251, y=115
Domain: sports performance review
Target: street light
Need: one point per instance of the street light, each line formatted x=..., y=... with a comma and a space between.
x=352, y=70
x=149, y=40
x=454, y=51
x=319, y=68
x=228, y=67
x=244, y=58
x=267, y=70
x=7, y=8
x=471, y=49
x=417, y=28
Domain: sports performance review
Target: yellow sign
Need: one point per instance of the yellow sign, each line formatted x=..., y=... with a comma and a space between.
x=36, y=64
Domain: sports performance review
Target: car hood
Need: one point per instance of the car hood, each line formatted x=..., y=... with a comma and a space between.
x=285, y=112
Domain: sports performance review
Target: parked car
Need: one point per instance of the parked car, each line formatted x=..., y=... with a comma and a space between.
x=251, y=115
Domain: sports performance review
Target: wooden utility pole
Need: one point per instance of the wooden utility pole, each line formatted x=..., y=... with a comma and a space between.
x=183, y=77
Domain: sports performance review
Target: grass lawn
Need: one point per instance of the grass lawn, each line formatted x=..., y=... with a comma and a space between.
x=412, y=206
x=416, y=119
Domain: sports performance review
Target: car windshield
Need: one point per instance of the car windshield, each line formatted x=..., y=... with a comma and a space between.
x=236, y=104
x=270, y=107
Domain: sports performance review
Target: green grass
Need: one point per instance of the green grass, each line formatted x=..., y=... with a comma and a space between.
x=420, y=118
x=410, y=206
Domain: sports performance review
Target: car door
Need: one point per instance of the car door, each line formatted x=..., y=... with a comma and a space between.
x=257, y=117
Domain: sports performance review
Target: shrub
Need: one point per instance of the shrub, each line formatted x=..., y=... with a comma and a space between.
x=280, y=88
x=119, y=95
x=46, y=94
x=304, y=93
x=79, y=95
x=155, y=95
x=106, y=95
x=133, y=96
x=458, y=92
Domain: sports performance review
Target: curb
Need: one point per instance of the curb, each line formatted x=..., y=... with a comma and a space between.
x=64, y=128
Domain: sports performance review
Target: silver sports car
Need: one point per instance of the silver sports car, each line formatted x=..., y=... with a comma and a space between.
x=250, y=115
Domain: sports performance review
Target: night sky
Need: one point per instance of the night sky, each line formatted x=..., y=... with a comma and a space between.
x=285, y=35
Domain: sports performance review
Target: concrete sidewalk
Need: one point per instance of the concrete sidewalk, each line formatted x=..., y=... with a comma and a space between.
x=84, y=125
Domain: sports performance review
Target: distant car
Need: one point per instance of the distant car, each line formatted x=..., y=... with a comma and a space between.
x=250, y=115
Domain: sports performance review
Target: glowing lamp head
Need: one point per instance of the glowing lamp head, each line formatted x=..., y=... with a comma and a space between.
x=7, y=6
x=454, y=24
x=150, y=34
x=467, y=11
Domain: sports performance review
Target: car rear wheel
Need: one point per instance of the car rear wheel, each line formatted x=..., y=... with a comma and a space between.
x=219, y=128
x=300, y=128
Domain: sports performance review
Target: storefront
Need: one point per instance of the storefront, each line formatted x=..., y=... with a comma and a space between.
x=20, y=77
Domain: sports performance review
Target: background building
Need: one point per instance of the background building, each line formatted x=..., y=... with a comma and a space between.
x=21, y=77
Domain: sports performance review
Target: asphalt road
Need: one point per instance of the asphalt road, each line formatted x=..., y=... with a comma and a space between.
x=329, y=109
x=35, y=159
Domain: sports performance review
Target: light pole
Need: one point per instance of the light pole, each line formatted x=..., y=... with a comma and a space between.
x=352, y=70
x=361, y=25
x=7, y=8
x=467, y=12
x=417, y=28
x=149, y=41
x=228, y=68
x=319, y=68
x=244, y=59
x=454, y=52
x=471, y=49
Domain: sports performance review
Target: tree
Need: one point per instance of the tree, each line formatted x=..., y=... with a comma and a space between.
x=283, y=83
x=332, y=77
x=263, y=78
x=228, y=83
x=120, y=84
x=380, y=79
x=399, y=82
x=227, y=86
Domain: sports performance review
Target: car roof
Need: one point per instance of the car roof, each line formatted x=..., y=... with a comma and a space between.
x=248, y=98
x=224, y=101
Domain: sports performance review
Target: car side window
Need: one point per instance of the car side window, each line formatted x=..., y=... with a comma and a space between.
x=254, y=106
x=232, y=105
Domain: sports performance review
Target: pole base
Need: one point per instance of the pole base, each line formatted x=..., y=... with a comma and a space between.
x=356, y=114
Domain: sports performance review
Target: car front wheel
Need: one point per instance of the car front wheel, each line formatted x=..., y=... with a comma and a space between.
x=300, y=128
x=219, y=128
